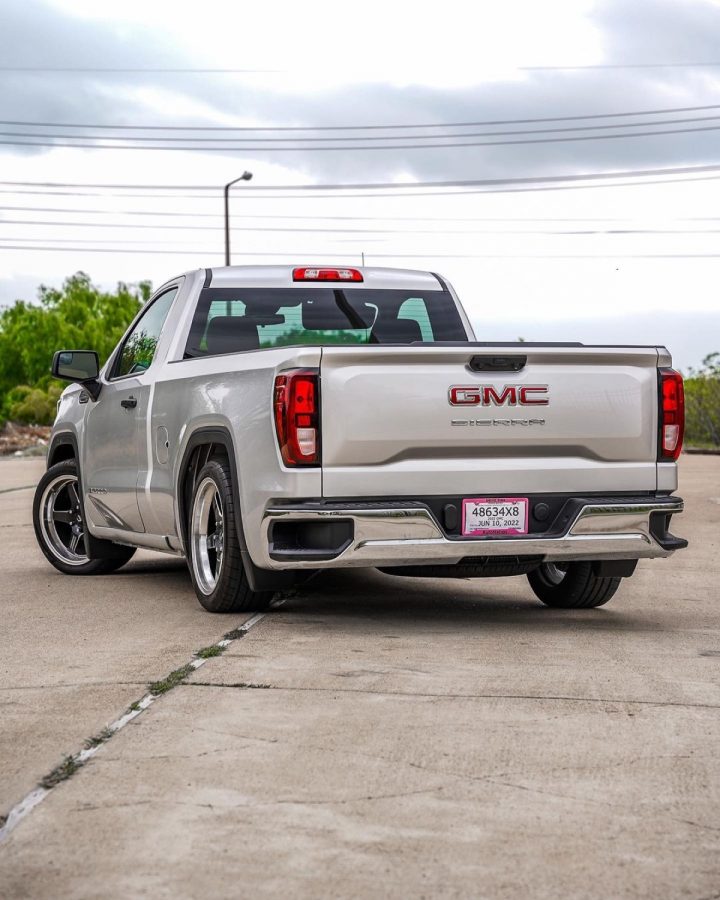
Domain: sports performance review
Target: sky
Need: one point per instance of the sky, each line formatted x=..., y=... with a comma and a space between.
x=558, y=162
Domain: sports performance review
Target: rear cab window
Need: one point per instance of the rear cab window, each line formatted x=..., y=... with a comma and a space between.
x=232, y=320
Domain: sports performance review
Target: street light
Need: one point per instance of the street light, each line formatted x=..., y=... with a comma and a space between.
x=246, y=176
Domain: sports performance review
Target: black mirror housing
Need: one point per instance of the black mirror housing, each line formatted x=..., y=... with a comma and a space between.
x=79, y=366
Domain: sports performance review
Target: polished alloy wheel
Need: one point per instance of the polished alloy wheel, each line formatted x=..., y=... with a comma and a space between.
x=61, y=520
x=553, y=573
x=206, y=536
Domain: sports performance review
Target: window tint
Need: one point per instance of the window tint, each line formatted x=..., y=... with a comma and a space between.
x=230, y=320
x=140, y=345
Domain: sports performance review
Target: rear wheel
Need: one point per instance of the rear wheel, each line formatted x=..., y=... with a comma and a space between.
x=60, y=525
x=216, y=565
x=571, y=585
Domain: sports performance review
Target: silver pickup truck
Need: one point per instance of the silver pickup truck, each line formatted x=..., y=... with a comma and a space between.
x=269, y=422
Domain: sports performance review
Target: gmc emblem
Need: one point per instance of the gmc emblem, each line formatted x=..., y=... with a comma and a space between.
x=508, y=395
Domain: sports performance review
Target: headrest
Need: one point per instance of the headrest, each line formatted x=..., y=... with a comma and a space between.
x=396, y=331
x=231, y=334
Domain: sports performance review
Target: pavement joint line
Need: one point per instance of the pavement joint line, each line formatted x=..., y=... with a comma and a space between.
x=242, y=685
x=26, y=487
x=71, y=764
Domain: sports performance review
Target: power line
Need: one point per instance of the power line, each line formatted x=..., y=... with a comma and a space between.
x=161, y=226
x=393, y=127
x=142, y=70
x=304, y=254
x=308, y=217
x=317, y=149
x=564, y=183
x=395, y=186
x=191, y=70
x=423, y=137
x=655, y=65
x=643, y=182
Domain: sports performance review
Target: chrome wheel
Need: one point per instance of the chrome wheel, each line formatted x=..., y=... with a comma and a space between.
x=207, y=535
x=553, y=573
x=61, y=521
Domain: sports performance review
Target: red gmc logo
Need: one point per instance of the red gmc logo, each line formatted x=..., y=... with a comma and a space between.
x=508, y=395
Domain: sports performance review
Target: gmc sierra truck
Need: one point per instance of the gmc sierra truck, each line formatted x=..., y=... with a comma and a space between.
x=270, y=422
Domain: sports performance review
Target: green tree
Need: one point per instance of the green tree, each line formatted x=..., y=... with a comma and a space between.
x=702, y=403
x=76, y=316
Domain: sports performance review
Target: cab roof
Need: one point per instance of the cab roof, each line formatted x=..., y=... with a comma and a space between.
x=373, y=278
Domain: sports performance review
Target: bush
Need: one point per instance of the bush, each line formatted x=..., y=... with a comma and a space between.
x=32, y=406
x=702, y=404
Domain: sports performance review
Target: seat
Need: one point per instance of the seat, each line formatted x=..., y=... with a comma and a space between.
x=232, y=334
x=396, y=331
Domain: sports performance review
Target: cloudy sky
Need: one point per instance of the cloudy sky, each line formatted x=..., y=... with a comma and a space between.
x=559, y=162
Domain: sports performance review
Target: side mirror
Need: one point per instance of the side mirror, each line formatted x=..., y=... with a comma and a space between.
x=80, y=366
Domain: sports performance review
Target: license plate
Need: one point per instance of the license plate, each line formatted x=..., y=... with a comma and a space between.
x=495, y=515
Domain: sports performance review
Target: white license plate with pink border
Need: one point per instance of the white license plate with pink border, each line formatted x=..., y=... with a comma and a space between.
x=495, y=515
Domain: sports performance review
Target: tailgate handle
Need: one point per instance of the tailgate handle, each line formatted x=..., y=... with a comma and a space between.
x=497, y=363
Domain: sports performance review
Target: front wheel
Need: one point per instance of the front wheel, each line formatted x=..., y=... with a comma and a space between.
x=216, y=565
x=60, y=526
x=571, y=585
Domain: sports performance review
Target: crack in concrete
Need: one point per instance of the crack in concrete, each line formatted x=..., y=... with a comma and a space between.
x=74, y=762
x=242, y=685
x=363, y=799
x=290, y=801
x=73, y=684
x=26, y=487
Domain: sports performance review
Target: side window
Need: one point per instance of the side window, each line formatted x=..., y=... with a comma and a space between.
x=140, y=345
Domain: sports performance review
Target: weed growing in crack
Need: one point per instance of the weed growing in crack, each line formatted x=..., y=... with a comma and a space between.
x=170, y=681
x=99, y=738
x=234, y=635
x=134, y=707
x=67, y=767
x=209, y=652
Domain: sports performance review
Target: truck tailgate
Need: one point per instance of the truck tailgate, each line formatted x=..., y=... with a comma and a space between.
x=389, y=428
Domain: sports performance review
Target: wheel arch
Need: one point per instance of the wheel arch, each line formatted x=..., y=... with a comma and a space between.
x=63, y=446
x=199, y=447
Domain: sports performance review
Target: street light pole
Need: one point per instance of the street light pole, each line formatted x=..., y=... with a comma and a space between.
x=246, y=176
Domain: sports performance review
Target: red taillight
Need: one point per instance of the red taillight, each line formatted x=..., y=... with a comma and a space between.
x=296, y=405
x=313, y=273
x=672, y=414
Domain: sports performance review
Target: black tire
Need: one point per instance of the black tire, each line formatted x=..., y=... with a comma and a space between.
x=60, y=531
x=219, y=579
x=571, y=585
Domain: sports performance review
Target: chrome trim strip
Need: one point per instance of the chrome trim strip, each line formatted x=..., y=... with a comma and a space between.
x=393, y=536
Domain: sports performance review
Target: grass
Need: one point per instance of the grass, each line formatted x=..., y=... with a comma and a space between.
x=65, y=770
x=170, y=681
x=99, y=738
x=234, y=635
x=209, y=652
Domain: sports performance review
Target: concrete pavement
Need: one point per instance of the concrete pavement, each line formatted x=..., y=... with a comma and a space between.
x=373, y=737
x=74, y=652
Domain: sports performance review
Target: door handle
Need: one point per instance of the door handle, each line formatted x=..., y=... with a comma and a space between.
x=129, y=403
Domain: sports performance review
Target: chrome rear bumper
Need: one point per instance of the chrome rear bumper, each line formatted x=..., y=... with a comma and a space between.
x=396, y=535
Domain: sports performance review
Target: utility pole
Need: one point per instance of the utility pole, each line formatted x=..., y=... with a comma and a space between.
x=246, y=176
